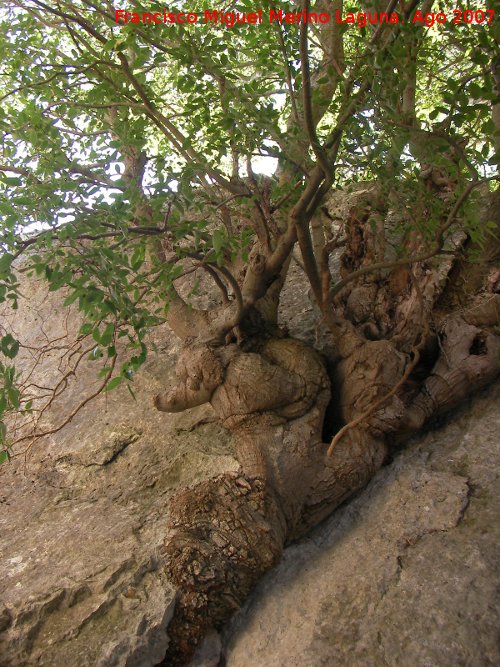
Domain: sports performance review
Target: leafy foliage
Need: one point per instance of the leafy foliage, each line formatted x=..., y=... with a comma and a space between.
x=131, y=148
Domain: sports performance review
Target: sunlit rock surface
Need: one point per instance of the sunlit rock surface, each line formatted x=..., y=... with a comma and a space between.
x=83, y=513
x=405, y=575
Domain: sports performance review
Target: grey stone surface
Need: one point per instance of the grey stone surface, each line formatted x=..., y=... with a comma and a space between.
x=405, y=575
x=83, y=511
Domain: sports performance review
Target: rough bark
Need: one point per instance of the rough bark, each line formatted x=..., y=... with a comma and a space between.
x=273, y=398
x=405, y=351
x=227, y=532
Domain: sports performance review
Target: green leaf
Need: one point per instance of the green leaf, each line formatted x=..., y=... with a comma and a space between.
x=9, y=346
x=86, y=329
x=6, y=260
x=114, y=383
x=13, y=396
x=218, y=240
x=108, y=334
x=71, y=298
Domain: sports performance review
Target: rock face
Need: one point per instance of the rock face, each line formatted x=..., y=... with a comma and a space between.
x=83, y=513
x=406, y=574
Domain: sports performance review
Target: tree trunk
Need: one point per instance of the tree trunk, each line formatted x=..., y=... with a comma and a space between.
x=228, y=531
x=410, y=343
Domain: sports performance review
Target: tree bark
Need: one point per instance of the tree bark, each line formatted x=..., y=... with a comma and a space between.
x=406, y=350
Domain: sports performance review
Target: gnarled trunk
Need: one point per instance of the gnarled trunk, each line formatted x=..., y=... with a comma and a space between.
x=228, y=531
x=403, y=353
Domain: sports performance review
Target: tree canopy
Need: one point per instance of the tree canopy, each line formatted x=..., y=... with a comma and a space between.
x=134, y=152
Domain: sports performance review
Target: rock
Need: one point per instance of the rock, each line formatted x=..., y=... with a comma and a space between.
x=83, y=511
x=101, y=452
x=405, y=574
x=5, y=619
x=209, y=651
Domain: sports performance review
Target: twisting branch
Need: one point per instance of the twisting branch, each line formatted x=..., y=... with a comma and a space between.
x=310, y=264
x=286, y=62
x=374, y=407
x=306, y=98
x=326, y=276
x=181, y=318
x=173, y=134
x=175, y=137
x=215, y=277
x=410, y=368
x=237, y=295
x=233, y=318
x=40, y=434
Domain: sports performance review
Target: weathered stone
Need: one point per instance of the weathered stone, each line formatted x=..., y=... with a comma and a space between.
x=403, y=575
x=83, y=514
x=406, y=574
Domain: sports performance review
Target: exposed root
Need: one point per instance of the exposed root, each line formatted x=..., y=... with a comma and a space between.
x=378, y=404
x=469, y=360
x=228, y=531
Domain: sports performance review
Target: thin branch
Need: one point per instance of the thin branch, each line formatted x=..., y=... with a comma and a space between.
x=288, y=72
x=411, y=366
x=355, y=422
x=214, y=275
x=72, y=414
x=326, y=276
x=306, y=98
x=231, y=280
x=237, y=294
x=310, y=264
x=174, y=135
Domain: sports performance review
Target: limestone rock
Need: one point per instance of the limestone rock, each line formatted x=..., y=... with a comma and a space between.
x=405, y=575
x=83, y=511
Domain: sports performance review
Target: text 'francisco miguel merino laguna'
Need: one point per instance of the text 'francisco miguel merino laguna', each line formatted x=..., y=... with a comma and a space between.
x=229, y=19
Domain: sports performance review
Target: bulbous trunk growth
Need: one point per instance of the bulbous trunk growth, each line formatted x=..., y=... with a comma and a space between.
x=404, y=351
x=228, y=531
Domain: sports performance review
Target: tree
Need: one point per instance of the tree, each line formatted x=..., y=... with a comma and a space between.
x=130, y=160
